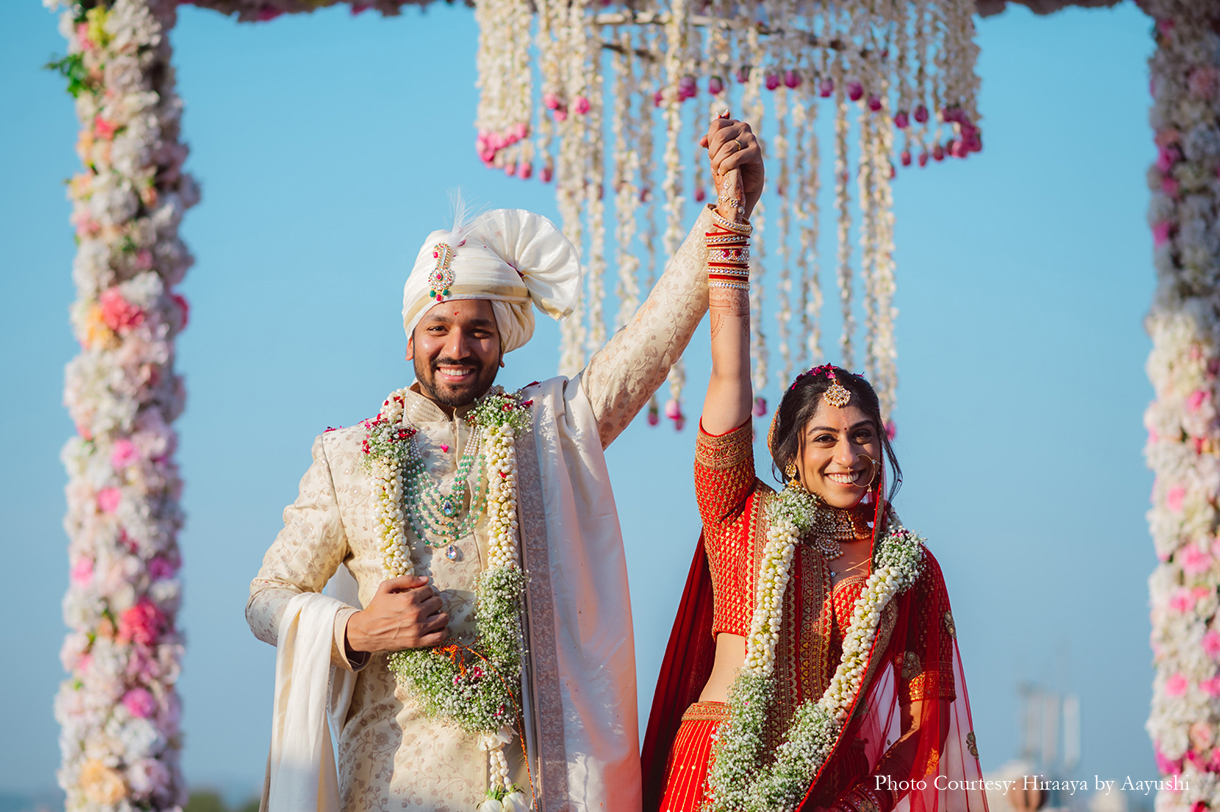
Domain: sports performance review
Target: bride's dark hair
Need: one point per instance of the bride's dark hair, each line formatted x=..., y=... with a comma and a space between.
x=798, y=406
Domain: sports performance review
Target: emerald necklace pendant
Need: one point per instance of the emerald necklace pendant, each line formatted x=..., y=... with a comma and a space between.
x=440, y=518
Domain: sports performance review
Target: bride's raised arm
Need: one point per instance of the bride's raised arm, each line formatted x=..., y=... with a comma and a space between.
x=737, y=169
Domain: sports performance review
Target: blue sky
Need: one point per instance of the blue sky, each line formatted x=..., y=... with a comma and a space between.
x=325, y=145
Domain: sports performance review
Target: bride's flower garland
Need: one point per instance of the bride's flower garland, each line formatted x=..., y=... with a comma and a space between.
x=475, y=687
x=739, y=779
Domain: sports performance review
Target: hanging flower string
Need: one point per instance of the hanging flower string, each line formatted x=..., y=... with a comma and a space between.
x=740, y=779
x=476, y=687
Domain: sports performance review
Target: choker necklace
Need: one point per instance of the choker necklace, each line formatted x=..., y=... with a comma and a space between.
x=831, y=527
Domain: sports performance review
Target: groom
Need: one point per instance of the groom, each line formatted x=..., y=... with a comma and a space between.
x=468, y=301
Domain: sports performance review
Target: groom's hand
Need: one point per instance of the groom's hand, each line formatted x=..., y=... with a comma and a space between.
x=405, y=613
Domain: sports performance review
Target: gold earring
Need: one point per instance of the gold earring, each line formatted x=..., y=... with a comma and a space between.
x=790, y=471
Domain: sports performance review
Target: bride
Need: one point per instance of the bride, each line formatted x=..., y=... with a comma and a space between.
x=813, y=664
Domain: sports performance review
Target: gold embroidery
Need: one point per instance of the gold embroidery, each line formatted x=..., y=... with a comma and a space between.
x=933, y=761
x=707, y=711
x=972, y=744
x=930, y=685
x=911, y=667
x=726, y=450
x=949, y=627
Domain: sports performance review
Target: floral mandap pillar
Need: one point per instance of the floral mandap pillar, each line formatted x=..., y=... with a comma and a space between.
x=118, y=709
x=1183, y=425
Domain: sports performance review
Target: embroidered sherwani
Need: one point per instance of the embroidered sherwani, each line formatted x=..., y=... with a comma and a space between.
x=582, y=724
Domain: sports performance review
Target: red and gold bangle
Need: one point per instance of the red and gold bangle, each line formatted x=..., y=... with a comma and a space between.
x=745, y=229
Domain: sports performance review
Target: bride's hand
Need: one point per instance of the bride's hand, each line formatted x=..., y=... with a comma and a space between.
x=732, y=145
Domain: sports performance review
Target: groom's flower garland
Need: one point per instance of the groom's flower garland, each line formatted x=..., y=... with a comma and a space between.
x=476, y=687
x=740, y=781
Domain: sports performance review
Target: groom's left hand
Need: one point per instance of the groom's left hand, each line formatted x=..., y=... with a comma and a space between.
x=731, y=144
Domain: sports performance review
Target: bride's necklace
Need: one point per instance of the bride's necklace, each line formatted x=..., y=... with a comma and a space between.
x=832, y=527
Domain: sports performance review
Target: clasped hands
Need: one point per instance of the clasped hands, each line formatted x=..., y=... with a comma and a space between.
x=405, y=613
x=730, y=145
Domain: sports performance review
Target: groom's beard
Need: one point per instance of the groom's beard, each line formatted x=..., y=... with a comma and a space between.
x=455, y=394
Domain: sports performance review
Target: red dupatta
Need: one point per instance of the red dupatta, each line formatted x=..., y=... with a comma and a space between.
x=935, y=769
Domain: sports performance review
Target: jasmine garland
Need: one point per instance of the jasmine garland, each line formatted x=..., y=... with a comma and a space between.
x=476, y=687
x=739, y=781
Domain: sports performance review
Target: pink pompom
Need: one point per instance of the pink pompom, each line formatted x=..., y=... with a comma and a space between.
x=760, y=407
x=581, y=105
x=140, y=702
x=792, y=79
x=743, y=74
x=923, y=158
x=874, y=103
x=938, y=153
x=891, y=430
x=547, y=173
x=561, y=114
x=906, y=157
x=921, y=114
x=826, y=88
x=715, y=85
x=673, y=409
x=658, y=98
x=525, y=170
x=184, y=308
x=855, y=91
x=679, y=423
x=108, y=499
x=771, y=81
x=700, y=194
x=902, y=120
x=654, y=417
x=550, y=101
x=510, y=169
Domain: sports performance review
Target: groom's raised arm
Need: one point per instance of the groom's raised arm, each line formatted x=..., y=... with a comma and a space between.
x=621, y=376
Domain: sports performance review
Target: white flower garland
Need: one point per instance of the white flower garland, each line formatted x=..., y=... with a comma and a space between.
x=740, y=779
x=479, y=695
x=119, y=709
x=1183, y=422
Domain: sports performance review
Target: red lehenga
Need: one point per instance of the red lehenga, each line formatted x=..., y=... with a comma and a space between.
x=908, y=744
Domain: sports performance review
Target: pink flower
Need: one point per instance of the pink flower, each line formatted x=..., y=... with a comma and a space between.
x=108, y=499
x=82, y=571
x=160, y=568
x=1176, y=685
x=1211, y=687
x=581, y=105
x=123, y=454
x=1182, y=601
x=184, y=307
x=1211, y=643
x=141, y=623
x=1194, y=560
x=760, y=407
x=104, y=128
x=118, y=313
x=1204, y=82
x=140, y=702
x=891, y=430
x=673, y=409
x=1175, y=497
x=1197, y=399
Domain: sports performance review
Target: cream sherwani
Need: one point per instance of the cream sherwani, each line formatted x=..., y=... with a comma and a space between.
x=582, y=737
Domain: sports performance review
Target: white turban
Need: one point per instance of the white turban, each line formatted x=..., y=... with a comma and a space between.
x=512, y=257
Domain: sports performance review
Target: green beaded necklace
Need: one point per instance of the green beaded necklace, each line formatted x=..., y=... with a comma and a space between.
x=437, y=517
